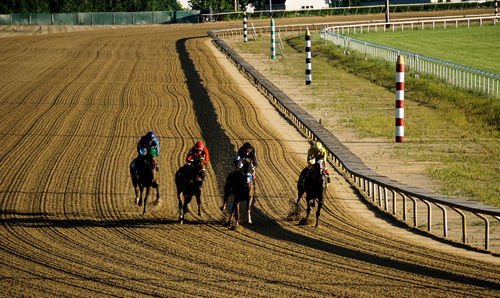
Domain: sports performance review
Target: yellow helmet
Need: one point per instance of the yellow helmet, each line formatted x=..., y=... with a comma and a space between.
x=317, y=146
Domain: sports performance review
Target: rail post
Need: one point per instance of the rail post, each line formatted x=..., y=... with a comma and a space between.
x=245, y=39
x=273, y=43
x=496, y=10
x=308, y=57
x=400, y=97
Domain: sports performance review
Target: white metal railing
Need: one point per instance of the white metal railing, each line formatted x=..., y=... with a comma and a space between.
x=458, y=75
x=352, y=10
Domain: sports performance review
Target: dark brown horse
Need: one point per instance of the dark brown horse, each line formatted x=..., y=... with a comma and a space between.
x=240, y=184
x=189, y=180
x=144, y=175
x=313, y=182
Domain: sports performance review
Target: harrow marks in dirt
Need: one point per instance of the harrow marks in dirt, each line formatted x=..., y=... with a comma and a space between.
x=73, y=106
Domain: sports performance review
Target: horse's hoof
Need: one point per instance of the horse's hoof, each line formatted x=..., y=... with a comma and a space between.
x=249, y=221
x=236, y=228
x=313, y=204
x=137, y=201
x=199, y=214
x=305, y=221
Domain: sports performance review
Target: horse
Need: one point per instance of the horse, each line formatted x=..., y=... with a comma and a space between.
x=313, y=182
x=143, y=170
x=240, y=183
x=189, y=180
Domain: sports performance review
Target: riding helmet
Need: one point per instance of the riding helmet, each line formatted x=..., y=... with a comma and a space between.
x=199, y=146
x=317, y=146
x=247, y=146
x=150, y=135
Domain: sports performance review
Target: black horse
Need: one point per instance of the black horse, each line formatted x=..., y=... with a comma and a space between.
x=144, y=175
x=240, y=183
x=189, y=180
x=312, y=181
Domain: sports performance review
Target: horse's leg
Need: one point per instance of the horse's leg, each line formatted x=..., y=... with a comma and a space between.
x=157, y=193
x=232, y=213
x=149, y=189
x=249, y=207
x=227, y=193
x=136, y=188
x=300, y=187
x=299, y=195
x=224, y=203
x=141, y=190
x=249, y=204
x=236, y=210
x=181, y=214
x=134, y=183
x=320, y=204
x=308, y=210
x=187, y=200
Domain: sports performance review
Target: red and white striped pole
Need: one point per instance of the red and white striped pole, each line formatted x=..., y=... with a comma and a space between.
x=496, y=8
x=400, y=100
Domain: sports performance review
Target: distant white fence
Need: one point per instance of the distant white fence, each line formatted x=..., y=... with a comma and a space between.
x=455, y=74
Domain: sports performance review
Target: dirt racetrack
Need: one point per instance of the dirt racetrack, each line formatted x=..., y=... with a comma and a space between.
x=73, y=106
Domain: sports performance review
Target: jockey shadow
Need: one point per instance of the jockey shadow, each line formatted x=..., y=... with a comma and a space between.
x=268, y=227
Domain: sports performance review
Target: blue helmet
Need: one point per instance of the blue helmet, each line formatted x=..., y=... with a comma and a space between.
x=151, y=135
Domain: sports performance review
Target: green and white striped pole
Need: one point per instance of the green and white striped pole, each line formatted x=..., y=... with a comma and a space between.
x=273, y=41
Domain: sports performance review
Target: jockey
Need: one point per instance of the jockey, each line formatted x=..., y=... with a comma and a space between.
x=246, y=151
x=148, y=140
x=198, y=150
x=317, y=151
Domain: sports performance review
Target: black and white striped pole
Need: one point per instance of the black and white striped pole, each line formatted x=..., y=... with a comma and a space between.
x=245, y=39
x=308, y=57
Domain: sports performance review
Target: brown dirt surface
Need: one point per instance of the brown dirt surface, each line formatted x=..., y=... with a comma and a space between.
x=73, y=106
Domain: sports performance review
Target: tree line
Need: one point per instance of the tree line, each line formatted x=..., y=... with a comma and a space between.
x=68, y=6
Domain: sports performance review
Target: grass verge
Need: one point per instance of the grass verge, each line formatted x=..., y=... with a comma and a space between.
x=456, y=132
x=470, y=46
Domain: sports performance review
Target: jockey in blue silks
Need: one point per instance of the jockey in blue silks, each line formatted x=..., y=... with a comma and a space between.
x=148, y=140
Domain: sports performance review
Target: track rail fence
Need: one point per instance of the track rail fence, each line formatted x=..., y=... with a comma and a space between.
x=457, y=75
x=347, y=10
x=388, y=195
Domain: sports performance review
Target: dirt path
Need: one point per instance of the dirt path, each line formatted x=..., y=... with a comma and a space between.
x=73, y=106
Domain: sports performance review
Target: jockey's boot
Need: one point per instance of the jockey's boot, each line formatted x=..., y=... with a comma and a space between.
x=327, y=175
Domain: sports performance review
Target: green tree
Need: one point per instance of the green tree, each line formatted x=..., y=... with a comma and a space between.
x=215, y=5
